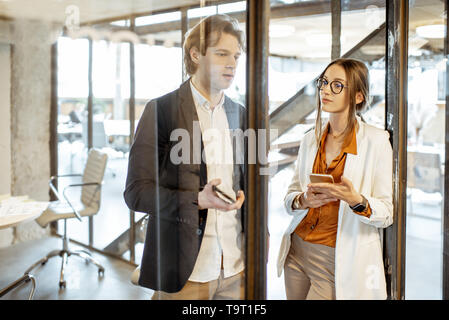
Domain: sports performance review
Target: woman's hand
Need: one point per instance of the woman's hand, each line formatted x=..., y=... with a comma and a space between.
x=343, y=190
x=207, y=198
x=311, y=199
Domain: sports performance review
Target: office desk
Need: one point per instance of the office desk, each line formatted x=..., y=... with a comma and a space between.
x=32, y=210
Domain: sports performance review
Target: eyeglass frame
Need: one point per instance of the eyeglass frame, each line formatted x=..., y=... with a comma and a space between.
x=330, y=85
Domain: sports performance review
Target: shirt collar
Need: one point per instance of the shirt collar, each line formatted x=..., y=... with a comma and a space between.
x=200, y=100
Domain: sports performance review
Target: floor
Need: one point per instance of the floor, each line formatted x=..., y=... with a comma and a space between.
x=83, y=282
x=423, y=252
x=424, y=237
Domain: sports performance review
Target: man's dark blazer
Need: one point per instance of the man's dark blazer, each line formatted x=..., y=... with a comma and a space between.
x=168, y=192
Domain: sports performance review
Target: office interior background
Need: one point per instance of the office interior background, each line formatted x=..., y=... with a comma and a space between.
x=76, y=75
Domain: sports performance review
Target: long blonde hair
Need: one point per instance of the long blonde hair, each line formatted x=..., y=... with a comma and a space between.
x=357, y=76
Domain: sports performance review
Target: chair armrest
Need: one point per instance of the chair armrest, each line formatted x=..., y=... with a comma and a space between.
x=67, y=175
x=78, y=216
x=52, y=186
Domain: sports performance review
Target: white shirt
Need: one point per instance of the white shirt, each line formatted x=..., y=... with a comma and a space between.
x=223, y=233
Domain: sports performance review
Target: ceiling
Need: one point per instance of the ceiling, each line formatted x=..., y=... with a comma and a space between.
x=308, y=36
x=89, y=10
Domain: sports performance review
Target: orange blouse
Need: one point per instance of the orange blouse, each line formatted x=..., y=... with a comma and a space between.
x=320, y=224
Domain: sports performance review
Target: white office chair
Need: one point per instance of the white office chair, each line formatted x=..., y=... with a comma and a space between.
x=66, y=208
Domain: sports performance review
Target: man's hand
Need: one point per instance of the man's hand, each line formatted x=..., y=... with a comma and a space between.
x=208, y=199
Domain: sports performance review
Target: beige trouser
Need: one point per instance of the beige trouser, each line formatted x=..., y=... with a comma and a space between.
x=232, y=288
x=309, y=271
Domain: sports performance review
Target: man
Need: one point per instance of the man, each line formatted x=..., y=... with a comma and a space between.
x=194, y=242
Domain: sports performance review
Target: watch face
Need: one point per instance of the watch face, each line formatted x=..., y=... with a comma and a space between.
x=359, y=207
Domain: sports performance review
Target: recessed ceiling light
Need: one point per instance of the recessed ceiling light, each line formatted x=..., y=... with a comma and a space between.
x=434, y=31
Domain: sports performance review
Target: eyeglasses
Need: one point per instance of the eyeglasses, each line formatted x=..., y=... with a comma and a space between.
x=336, y=86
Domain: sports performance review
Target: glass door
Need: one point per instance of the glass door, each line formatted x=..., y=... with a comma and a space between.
x=425, y=150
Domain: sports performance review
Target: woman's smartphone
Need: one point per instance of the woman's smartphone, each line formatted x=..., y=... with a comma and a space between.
x=223, y=196
x=316, y=178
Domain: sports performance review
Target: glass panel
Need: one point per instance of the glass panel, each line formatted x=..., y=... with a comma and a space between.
x=425, y=150
x=300, y=47
x=160, y=55
x=184, y=140
x=106, y=58
x=363, y=38
x=110, y=134
x=73, y=59
x=72, y=103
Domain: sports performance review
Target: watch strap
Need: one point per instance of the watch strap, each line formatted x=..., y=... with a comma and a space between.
x=360, y=207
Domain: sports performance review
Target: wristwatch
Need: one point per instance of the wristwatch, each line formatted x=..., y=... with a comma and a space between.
x=360, y=207
x=297, y=202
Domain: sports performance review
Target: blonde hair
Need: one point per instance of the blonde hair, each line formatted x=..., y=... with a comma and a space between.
x=202, y=36
x=357, y=76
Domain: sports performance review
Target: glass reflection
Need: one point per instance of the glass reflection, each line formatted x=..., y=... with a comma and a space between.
x=300, y=47
x=186, y=172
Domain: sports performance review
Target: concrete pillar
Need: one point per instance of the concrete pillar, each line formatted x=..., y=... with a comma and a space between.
x=30, y=116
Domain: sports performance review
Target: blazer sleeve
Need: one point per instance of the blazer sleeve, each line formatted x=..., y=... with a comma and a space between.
x=295, y=186
x=147, y=159
x=381, y=198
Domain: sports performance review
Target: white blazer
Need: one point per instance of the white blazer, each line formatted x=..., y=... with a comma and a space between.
x=359, y=268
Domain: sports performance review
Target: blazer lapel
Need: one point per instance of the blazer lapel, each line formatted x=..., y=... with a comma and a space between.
x=353, y=166
x=188, y=119
x=187, y=106
x=233, y=117
x=232, y=114
x=354, y=161
x=313, y=149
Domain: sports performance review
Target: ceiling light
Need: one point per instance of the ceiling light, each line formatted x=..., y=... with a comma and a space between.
x=281, y=30
x=158, y=18
x=201, y=12
x=232, y=7
x=322, y=40
x=434, y=31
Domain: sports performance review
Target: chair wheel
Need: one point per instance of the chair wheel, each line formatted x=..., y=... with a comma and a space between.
x=62, y=284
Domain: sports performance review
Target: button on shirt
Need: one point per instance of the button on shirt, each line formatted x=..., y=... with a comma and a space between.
x=223, y=233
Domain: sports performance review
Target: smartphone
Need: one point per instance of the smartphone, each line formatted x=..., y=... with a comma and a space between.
x=223, y=196
x=316, y=177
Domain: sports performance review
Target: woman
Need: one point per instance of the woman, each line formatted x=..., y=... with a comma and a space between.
x=332, y=248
